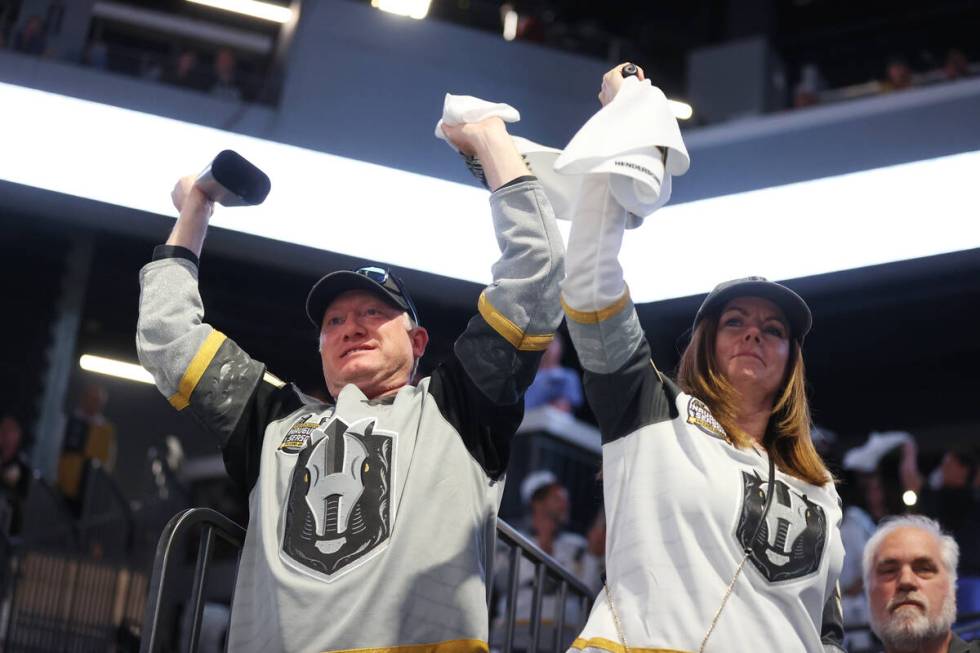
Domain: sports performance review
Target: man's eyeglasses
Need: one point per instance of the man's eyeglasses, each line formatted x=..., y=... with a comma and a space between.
x=394, y=285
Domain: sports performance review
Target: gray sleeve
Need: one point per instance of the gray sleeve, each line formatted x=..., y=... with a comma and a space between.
x=192, y=364
x=522, y=303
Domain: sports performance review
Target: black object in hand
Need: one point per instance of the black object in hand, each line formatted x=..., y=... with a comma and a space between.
x=629, y=70
x=231, y=180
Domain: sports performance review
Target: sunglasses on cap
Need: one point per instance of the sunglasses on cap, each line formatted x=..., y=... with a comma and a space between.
x=392, y=284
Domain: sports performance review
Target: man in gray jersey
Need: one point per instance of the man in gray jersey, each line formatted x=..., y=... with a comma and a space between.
x=371, y=517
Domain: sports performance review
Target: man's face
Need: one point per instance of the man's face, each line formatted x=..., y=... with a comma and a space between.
x=366, y=341
x=910, y=592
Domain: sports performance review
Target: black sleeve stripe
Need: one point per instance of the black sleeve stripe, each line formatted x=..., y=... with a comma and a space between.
x=222, y=390
x=832, y=629
x=233, y=400
x=518, y=180
x=175, y=251
x=480, y=392
x=634, y=396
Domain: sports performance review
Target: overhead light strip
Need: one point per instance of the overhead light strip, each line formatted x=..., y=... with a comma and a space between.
x=253, y=8
x=417, y=9
x=836, y=223
x=116, y=368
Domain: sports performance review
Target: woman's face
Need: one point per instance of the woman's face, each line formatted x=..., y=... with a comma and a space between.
x=752, y=346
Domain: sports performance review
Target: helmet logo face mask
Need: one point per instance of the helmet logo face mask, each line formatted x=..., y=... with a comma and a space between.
x=339, y=506
x=335, y=485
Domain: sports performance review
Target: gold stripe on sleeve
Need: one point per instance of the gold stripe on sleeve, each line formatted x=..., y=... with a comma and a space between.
x=449, y=646
x=192, y=375
x=510, y=331
x=594, y=317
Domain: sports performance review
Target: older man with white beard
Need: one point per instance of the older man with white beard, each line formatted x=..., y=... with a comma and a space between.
x=909, y=568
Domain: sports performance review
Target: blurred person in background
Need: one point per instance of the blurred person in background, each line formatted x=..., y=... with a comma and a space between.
x=32, y=37
x=547, y=503
x=185, y=70
x=807, y=91
x=898, y=75
x=224, y=83
x=868, y=498
x=949, y=495
x=910, y=571
x=89, y=437
x=554, y=385
x=15, y=474
x=956, y=65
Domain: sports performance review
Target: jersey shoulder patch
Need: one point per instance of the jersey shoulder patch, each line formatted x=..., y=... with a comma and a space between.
x=700, y=416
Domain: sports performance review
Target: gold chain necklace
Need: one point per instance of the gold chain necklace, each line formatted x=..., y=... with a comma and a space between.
x=731, y=586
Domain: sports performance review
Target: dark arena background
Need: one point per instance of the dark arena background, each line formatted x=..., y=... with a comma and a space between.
x=835, y=147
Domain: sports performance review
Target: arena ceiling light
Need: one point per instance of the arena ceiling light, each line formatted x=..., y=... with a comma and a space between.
x=681, y=110
x=254, y=8
x=417, y=9
x=836, y=223
x=111, y=367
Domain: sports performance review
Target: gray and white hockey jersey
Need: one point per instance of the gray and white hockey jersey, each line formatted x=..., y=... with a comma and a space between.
x=371, y=523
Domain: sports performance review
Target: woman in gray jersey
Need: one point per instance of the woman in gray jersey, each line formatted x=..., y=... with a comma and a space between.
x=722, y=520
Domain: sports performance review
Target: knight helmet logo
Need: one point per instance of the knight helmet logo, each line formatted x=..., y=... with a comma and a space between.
x=790, y=543
x=338, y=510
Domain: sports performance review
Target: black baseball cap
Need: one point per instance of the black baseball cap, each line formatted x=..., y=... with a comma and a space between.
x=376, y=280
x=796, y=310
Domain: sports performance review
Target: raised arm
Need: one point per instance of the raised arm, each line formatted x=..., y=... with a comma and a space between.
x=481, y=389
x=196, y=367
x=623, y=387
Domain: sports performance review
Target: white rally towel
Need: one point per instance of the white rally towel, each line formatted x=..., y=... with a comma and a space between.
x=636, y=140
x=622, y=141
x=560, y=189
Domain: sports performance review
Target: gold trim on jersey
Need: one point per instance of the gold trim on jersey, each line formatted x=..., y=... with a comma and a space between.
x=449, y=646
x=510, y=331
x=594, y=317
x=614, y=647
x=192, y=375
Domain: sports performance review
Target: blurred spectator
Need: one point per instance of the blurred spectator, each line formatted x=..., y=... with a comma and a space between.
x=807, y=92
x=31, y=38
x=96, y=55
x=185, y=70
x=898, y=75
x=950, y=497
x=909, y=569
x=15, y=474
x=548, y=506
x=956, y=65
x=867, y=501
x=89, y=436
x=225, y=84
x=554, y=385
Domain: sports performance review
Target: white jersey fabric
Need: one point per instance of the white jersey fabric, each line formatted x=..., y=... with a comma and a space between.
x=681, y=504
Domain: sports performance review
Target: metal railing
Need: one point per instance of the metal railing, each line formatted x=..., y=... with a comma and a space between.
x=162, y=597
x=212, y=523
x=544, y=567
x=65, y=587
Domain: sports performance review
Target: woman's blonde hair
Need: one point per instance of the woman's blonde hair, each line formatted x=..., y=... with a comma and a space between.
x=787, y=437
